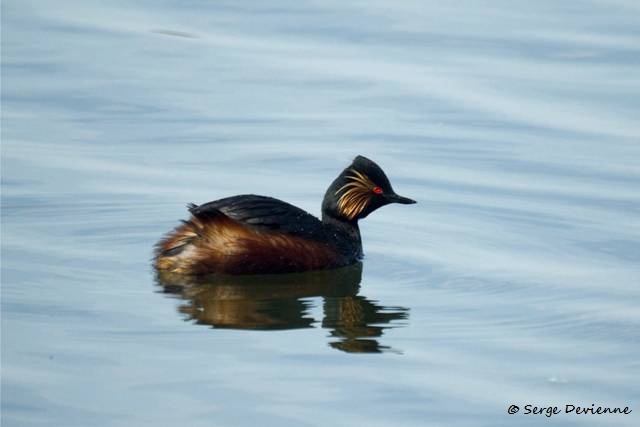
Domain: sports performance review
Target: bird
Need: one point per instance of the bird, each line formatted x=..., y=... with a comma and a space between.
x=251, y=234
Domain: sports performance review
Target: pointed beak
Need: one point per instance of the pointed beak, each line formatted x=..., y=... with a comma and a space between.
x=394, y=198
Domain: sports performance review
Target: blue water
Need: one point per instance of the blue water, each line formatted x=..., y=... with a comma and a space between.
x=514, y=280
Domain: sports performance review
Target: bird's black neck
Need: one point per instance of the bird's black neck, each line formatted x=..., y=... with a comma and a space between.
x=346, y=234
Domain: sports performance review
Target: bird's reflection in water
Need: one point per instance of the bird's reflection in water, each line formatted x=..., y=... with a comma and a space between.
x=276, y=302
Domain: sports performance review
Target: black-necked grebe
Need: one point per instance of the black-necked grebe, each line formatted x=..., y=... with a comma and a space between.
x=252, y=234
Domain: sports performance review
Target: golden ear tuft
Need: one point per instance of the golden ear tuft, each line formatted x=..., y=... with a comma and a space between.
x=356, y=195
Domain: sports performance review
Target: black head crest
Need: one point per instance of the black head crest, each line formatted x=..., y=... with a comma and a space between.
x=359, y=190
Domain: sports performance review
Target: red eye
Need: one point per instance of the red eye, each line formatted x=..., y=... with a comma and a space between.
x=377, y=190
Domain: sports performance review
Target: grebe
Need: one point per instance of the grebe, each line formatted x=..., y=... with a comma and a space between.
x=251, y=234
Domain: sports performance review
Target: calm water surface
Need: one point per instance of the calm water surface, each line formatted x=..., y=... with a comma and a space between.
x=514, y=280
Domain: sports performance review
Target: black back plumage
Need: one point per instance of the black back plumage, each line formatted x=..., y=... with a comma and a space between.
x=265, y=214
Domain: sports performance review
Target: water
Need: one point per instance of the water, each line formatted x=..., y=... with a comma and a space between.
x=514, y=280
